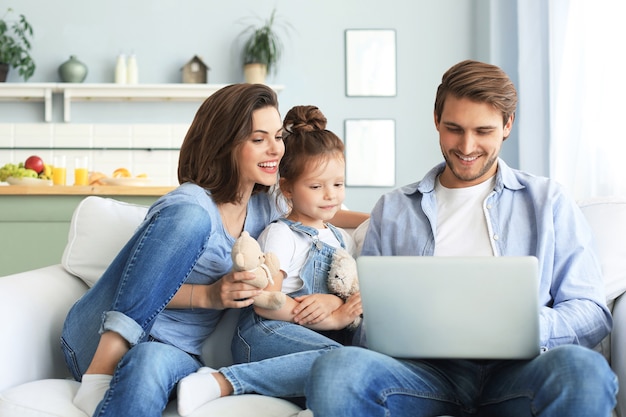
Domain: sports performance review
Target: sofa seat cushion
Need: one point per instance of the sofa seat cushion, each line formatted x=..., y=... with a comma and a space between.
x=46, y=397
x=53, y=398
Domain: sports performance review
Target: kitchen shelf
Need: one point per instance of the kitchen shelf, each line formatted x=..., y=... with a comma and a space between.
x=29, y=92
x=73, y=92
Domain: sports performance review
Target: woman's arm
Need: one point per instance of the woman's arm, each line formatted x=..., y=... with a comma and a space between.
x=230, y=291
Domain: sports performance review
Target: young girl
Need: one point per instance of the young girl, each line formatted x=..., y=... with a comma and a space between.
x=276, y=348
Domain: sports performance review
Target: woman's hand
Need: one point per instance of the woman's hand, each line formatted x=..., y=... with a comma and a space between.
x=231, y=291
x=314, y=308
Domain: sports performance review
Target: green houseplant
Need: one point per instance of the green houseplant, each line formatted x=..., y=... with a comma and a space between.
x=15, y=46
x=262, y=49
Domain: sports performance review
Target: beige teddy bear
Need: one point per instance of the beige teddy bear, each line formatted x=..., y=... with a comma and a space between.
x=343, y=280
x=247, y=256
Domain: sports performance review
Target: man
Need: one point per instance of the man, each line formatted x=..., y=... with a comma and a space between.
x=474, y=204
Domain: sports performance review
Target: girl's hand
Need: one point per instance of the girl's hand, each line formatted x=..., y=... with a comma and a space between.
x=231, y=291
x=350, y=310
x=344, y=315
x=314, y=308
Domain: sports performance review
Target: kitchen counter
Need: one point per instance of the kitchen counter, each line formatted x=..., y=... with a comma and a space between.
x=35, y=221
x=106, y=190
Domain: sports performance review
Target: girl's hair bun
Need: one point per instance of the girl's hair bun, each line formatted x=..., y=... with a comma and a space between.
x=303, y=119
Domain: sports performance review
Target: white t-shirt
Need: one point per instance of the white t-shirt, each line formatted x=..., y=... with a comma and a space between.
x=461, y=223
x=292, y=249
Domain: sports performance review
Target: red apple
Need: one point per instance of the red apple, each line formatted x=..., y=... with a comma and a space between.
x=35, y=163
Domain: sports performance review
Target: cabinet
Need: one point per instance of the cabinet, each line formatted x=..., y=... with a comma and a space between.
x=73, y=92
x=35, y=221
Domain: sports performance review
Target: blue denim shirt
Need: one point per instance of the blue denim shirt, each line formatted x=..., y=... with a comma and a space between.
x=526, y=215
x=187, y=329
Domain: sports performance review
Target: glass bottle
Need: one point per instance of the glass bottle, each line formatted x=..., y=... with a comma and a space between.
x=120, y=69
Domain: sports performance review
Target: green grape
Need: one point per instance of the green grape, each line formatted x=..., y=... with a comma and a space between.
x=7, y=171
x=16, y=171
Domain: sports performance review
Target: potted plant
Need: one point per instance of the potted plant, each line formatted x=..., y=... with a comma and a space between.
x=15, y=46
x=262, y=50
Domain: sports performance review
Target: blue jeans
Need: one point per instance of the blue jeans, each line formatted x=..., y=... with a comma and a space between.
x=134, y=289
x=277, y=357
x=567, y=381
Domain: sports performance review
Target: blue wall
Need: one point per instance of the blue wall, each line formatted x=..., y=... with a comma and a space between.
x=164, y=34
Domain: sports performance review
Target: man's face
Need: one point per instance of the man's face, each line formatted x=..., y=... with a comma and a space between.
x=470, y=137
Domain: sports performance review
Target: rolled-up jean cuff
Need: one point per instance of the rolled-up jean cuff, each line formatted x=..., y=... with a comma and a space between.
x=123, y=325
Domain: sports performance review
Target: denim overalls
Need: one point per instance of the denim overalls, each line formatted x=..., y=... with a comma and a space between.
x=258, y=338
x=314, y=273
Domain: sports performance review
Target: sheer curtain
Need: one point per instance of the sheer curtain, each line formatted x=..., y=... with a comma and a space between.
x=587, y=78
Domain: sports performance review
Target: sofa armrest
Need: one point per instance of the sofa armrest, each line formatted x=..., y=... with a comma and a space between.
x=33, y=306
x=618, y=349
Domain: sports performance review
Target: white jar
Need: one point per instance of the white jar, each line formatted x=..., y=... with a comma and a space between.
x=132, y=72
x=120, y=69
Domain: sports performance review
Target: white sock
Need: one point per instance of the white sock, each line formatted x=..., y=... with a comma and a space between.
x=197, y=389
x=91, y=392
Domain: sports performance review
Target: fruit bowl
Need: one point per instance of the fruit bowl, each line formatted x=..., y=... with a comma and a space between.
x=33, y=182
x=127, y=181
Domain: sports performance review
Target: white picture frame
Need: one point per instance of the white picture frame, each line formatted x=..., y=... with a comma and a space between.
x=370, y=152
x=370, y=62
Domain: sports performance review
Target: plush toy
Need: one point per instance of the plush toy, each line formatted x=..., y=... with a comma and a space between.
x=343, y=280
x=247, y=256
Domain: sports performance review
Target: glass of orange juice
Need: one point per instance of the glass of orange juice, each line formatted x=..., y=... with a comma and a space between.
x=81, y=171
x=59, y=170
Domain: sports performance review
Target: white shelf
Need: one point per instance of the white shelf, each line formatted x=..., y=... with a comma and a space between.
x=106, y=92
x=29, y=92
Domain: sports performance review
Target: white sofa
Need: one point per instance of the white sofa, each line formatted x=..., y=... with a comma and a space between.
x=33, y=378
x=33, y=305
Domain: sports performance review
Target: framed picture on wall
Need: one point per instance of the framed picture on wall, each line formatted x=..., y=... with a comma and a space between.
x=371, y=62
x=370, y=152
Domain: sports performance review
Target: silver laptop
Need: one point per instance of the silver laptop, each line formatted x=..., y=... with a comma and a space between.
x=451, y=307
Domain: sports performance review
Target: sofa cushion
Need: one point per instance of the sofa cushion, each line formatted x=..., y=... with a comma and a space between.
x=43, y=398
x=100, y=227
x=607, y=217
x=53, y=398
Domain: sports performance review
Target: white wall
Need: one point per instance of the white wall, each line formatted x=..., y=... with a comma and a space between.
x=431, y=36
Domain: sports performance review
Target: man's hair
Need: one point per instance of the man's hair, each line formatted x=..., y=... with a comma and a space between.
x=210, y=152
x=480, y=82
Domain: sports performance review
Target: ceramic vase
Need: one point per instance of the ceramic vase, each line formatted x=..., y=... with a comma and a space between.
x=255, y=73
x=4, y=71
x=73, y=71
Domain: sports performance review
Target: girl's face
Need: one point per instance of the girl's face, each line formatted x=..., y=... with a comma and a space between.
x=316, y=196
x=261, y=152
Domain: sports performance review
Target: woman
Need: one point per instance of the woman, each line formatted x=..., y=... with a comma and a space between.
x=167, y=288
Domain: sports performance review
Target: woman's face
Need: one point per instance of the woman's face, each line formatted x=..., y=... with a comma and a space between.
x=261, y=152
